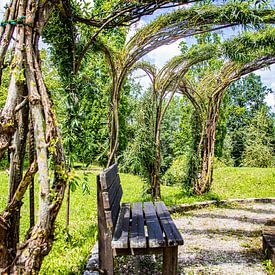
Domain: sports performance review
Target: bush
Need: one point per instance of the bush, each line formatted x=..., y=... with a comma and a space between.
x=259, y=146
x=258, y=155
x=177, y=172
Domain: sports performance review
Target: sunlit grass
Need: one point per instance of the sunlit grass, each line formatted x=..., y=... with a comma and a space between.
x=71, y=248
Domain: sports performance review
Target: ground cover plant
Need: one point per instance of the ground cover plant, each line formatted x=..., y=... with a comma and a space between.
x=73, y=245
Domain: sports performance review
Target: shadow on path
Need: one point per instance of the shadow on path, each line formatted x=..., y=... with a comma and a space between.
x=242, y=218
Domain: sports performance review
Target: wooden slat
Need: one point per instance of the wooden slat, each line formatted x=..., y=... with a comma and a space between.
x=110, y=195
x=173, y=236
x=112, y=213
x=121, y=234
x=108, y=176
x=137, y=237
x=104, y=235
x=137, y=251
x=155, y=235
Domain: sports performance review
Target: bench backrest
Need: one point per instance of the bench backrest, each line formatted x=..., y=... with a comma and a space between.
x=109, y=197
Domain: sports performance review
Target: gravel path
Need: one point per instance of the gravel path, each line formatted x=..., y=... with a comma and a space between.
x=217, y=241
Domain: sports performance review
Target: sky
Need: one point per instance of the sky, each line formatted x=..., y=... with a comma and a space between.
x=163, y=54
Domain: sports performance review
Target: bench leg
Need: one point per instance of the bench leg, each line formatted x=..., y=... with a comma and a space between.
x=170, y=260
x=105, y=253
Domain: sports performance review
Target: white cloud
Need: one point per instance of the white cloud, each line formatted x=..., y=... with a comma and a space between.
x=163, y=54
x=267, y=76
x=2, y=5
x=159, y=57
x=134, y=28
x=142, y=78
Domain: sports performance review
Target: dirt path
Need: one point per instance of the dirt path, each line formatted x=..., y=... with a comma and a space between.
x=224, y=240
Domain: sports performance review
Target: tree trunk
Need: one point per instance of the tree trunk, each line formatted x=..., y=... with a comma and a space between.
x=6, y=256
x=68, y=205
x=6, y=34
x=155, y=185
x=114, y=135
x=114, y=131
x=7, y=127
x=31, y=160
x=30, y=254
x=16, y=170
x=203, y=182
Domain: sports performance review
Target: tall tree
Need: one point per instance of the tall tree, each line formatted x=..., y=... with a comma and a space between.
x=251, y=52
x=164, y=85
x=259, y=142
x=245, y=98
x=26, y=80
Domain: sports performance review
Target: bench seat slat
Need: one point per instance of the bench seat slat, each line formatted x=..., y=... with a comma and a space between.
x=155, y=235
x=172, y=234
x=121, y=233
x=137, y=237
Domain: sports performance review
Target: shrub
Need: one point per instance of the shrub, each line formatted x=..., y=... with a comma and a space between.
x=177, y=172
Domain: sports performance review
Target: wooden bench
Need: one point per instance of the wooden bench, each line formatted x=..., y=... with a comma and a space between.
x=140, y=228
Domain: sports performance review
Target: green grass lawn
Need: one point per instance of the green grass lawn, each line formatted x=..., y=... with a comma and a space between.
x=71, y=249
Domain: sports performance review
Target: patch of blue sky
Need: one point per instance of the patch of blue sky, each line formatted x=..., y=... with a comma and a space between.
x=163, y=54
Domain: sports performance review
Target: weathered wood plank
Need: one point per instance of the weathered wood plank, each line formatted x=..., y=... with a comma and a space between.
x=137, y=236
x=104, y=235
x=109, y=196
x=155, y=234
x=112, y=214
x=172, y=234
x=108, y=176
x=121, y=233
x=170, y=260
x=137, y=251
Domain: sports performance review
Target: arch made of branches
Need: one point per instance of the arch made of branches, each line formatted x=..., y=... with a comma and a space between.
x=166, y=29
x=248, y=53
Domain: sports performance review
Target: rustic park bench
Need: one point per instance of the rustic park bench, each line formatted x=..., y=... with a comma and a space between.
x=140, y=228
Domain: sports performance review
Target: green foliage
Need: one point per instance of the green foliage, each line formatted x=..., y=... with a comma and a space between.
x=208, y=44
x=169, y=133
x=268, y=266
x=244, y=98
x=139, y=156
x=84, y=94
x=177, y=172
x=251, y=45
x=258, y=149
x=225, y=158
x=239, y=12
x=59, y=35
x=4, y=87
x=183, y=141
